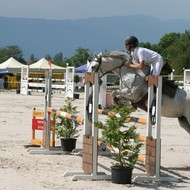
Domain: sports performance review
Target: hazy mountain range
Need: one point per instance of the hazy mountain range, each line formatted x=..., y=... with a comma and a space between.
x=41, y=37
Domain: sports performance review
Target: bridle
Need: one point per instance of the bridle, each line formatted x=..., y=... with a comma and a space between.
x=98, y=68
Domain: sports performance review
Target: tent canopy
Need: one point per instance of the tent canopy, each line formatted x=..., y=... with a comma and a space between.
x=43, y=64
x=12, y=64
x=6, y=72
x=81, y=69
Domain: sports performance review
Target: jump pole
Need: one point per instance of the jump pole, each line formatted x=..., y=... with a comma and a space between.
x=129, y=119
x=100, y=112
x=46, y=149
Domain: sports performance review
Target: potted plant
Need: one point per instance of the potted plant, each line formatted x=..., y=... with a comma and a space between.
x=76, y=80
x=123, y=140
x=67, y=129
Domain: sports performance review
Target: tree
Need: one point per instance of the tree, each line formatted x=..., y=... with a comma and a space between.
x=146, y=45
x=32, y=58
x=178, y=53
x=48, y=57
x=165, y=42
x=168, y=39
x=11, y=51
x=76, y=79
x=80, y=58
x=58, y=60
x=58, y=57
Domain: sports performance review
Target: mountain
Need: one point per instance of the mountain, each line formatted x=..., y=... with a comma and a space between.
x=41, y=37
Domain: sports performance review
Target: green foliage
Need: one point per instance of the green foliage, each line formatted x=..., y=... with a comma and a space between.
x=66, y=128
x=11, y=51
x=76, y=79
x=33, y=59
x=178, y=52
x=58, y=57
x=123, y=138
x=117, y=81
x=168, y=39
x=48, y=57
x=80, y=58
x=146, y=45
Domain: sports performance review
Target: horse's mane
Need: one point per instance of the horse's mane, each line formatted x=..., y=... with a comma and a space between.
x=116, y=54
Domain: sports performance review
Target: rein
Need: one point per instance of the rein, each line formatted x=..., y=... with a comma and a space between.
x=103, y=74
x=118, y=67
x=99, y=61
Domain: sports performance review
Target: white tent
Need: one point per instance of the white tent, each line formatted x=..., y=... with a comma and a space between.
x=43, y=64
x=12, y=65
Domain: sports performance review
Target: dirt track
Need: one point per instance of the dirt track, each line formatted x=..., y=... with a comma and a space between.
x=20, y=170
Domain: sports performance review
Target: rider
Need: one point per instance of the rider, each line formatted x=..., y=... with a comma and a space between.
x=142, y=56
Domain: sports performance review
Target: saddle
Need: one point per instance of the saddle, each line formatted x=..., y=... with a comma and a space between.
x=169, y=87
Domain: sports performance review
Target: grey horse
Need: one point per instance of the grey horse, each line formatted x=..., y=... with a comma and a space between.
x=135, y=86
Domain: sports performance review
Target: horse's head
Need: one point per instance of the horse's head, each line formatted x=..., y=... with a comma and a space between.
x=95, y=64
x=104, y=63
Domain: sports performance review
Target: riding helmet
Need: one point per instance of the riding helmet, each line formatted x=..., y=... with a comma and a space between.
x=132, y=40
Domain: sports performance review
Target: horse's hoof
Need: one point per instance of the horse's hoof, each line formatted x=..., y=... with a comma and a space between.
x=118, y=101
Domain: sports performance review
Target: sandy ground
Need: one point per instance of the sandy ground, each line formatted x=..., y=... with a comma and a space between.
x=20, y=170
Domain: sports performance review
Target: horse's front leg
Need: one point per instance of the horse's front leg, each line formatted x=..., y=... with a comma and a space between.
x=119, y=97
x=125, y=93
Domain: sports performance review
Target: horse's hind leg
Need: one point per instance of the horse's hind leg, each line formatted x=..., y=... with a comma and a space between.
x=184, y=123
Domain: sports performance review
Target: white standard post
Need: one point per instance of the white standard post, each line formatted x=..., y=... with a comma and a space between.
x=48, y=104
x=150, y=100
x=158, y=125
x=24, y=80
x=70, y=71
x=86, y=130
x=44, y=143
x=95, y=119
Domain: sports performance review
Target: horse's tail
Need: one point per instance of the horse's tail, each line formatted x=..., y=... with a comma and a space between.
x=184, y=123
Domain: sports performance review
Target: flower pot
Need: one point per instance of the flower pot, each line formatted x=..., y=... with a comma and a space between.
x=17, y=91
x=76, y=96
x=68, y=144
x=121, y=175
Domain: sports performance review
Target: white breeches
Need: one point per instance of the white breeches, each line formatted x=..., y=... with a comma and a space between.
x=157, y=66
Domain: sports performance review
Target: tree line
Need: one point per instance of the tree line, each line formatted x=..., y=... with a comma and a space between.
x=174, y=48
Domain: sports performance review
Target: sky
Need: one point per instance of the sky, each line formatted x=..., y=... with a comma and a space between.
x=80, y=9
